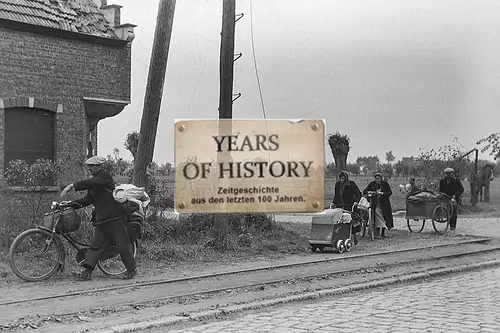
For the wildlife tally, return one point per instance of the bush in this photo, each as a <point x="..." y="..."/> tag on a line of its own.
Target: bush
<point x="193" y="236"/>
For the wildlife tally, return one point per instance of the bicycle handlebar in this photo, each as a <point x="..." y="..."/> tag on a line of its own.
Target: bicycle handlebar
<point x="372" y="193"/>
<point x="65" y="204"/>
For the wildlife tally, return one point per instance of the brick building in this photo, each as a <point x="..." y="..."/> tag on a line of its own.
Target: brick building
<point x="65" y="65"/>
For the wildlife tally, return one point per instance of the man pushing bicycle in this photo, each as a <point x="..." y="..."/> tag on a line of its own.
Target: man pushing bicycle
<point x="110" y="220"/>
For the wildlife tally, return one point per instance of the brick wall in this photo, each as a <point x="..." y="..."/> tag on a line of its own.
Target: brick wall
<point x="60" y="71"/>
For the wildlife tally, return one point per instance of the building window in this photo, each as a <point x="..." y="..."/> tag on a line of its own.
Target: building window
<point x="29" y="135"/>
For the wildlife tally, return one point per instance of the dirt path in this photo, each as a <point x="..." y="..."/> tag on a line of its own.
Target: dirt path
<point x="400" y="239"/>
<point x="14" y="288"/>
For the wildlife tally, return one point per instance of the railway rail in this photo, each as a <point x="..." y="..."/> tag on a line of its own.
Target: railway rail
<point x="243" y="271"/>
<point x="164" y="290"/>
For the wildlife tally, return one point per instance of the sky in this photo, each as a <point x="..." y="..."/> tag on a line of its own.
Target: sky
<point x="392" y="75"/>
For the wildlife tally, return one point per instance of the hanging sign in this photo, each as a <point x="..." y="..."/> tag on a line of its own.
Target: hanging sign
<point x="249" y="166"/>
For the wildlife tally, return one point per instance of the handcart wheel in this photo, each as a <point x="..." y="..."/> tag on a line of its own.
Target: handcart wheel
<point x="348" y="245"/>
<point x="440" y="219"/>
<point x="340" y="246"/>
<point x="415" y="225"/>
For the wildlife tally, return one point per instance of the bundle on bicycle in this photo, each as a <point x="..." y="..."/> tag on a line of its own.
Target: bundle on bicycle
<point x="37" y="254"/>
<point x="429" y="205"/>
<point x="332" y="228"/>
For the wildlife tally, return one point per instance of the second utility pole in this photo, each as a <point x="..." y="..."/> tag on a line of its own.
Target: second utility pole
<point x="154" y="91"/>
<point x="225" y="95"/>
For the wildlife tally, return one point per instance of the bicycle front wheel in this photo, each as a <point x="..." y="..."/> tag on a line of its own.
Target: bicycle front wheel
<point x="371" y="224"/>
<point x="35" y="255"/>
<point x="111" y="263"/>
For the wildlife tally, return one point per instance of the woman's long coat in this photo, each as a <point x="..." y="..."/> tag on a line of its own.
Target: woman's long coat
<point x="385" y="203"/>
<point x="346" y="198"/>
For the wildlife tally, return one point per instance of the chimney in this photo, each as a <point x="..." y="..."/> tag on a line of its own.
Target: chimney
<point x="101" y="3"/>
<point x="125" y="31"/>
<point x="112" y="13"/>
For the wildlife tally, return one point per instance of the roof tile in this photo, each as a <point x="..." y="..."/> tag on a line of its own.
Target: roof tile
<point x="81" y="16"/>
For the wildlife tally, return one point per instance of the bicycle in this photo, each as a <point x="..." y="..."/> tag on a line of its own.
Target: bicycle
<point x="370" y="221"/>
<point x="57" y="224"/>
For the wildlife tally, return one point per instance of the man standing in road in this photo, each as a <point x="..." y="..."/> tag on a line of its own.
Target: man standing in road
<point x="451" y="186"/>
<point x="110" y="220"/>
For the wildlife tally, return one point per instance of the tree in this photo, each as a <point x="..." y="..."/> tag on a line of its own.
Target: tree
<point x="330" y="170"/>
<point x="370" y="163"/>
<point x="400" y="169"/>
<point x="131" y="143"/>
<point x="165" y="169"/>
<point x="340" y="146"/>
<point x="433" y="162"/>
<point x="388" y="170"/>
<point x="389" y="157"/>
<point x="353" y="168"/>
<point x="492" y="143"/>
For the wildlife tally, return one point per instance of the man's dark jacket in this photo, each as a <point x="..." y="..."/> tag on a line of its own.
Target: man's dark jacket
<point x="451" y="186"/>
<point x="100" y="194"/>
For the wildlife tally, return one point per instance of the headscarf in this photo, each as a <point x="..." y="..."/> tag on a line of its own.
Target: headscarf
<point x="379" y="174"/>
<point x="345" y="183"/>
<point x="345" y="174"/>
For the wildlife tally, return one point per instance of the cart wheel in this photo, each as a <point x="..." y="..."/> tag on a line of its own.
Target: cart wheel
<point x="440" y="219"/>
<point x="321" y="248"/>
<point x="313" y="248"/>
<point x="415" y="225"/>
<point x="348" y="245"/>
<point x="340" y="246"/>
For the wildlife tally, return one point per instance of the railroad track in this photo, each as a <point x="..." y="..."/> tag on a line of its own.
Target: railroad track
<point x="210" y="284"/>
<point x="243" y="271"/>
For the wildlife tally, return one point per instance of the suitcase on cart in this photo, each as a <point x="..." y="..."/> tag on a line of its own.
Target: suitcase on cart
<point x="331" y="228"/>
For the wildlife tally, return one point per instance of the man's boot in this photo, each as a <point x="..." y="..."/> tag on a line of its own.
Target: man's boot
<point x="85" y="275"/>
<point x="129" y="275"/>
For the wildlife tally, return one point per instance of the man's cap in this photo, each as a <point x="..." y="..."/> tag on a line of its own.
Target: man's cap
<point x="95" y="160"/>
<point x="449" y="170"/>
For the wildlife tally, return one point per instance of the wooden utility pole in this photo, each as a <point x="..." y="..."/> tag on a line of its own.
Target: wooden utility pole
<point x="154" y="91"/>
<point x="226" y="95"/>
<point x="227" y="60"/>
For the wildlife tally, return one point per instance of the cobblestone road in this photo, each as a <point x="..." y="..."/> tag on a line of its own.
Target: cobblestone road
<point x="460" y="303"/>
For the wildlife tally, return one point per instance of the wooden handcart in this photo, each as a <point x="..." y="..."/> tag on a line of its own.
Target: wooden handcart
<point x="429" y="205"/>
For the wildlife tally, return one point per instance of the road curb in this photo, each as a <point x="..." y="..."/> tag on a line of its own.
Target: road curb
<point x="233" y="309"/>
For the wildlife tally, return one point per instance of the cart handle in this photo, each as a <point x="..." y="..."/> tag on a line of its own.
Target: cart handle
<point x="352" y="208"/>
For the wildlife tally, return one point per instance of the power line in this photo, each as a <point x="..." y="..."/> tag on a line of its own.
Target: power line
<point x="255" y="61"/>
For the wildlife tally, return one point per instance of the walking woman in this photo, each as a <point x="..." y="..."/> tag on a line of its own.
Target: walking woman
<point x="346" y="194"/>
<point x="382" y="207"/>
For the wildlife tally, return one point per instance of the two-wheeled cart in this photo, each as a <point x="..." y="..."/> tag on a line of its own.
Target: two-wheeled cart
<point x="429" y="205"/>
<point x="331" y="228"/>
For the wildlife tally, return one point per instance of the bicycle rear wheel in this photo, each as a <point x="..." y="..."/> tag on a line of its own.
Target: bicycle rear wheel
<point x="111" y="262"/>
<point x="36" y="255"/>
